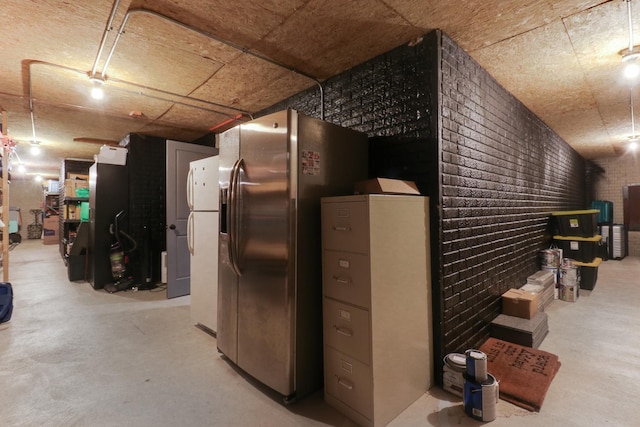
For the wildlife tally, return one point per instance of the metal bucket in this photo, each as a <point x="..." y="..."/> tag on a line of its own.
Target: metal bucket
<point x="481" y="399"/>
<point x="476" y="365"/>
<point x="569" y="275"/>
<point x="549" y="258"/>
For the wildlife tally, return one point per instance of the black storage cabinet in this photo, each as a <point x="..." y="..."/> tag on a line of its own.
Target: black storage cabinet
<point x="108" y="195"/>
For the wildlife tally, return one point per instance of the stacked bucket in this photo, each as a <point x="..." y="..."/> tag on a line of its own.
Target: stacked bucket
<point x="481" y="390"/>
<point x="466" y="375"/>
<point x="578" y="239"/>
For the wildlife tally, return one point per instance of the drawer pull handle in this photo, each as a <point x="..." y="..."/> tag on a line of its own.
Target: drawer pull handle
<point x="336" y="228"/>
<point x="345" y="384"/>
<point x="342" y="280"/>
<point x="343" y="331"/>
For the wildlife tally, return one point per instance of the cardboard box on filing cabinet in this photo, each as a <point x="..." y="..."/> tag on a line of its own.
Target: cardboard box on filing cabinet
<point x="386" y="186"/>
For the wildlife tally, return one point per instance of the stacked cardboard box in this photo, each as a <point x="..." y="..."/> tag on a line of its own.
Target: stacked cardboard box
<point x="542" y="282"/>
<point x="521" y="322"/>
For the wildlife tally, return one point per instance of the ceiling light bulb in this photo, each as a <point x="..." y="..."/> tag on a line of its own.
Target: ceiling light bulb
<point x="22" y="168"/>
<point x="633" y="145"/>
<point x="631" y="70"/>
<point x="97" y="92"/>
<point x="38" y="178"/>
<point x="35" y="150"/>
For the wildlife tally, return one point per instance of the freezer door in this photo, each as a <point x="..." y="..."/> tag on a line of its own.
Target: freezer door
<point x="202" y="186"/>
<point x="267" y="286"/>
<point x="227" y="333"/>
<point x="203" y="243"/>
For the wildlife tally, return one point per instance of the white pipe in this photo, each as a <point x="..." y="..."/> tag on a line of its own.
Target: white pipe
<point x="633" y="123"/>
<point x="107" y="28"/>
<point x="212" y="37"/>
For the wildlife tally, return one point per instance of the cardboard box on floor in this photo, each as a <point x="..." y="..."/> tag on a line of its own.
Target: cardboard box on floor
<point x="519" y="303"/>
<point x="386" y="186"/>
<point x="50" y="230"/>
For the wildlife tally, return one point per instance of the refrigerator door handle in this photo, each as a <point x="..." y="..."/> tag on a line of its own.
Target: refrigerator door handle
<point x="190" y="233"/>
<point x="233" y="214"/>
<point x="190" y="189"/>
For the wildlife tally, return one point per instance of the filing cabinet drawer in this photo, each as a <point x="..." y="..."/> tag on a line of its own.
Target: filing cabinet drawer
<point x="345" y="226"/>
<point x="346" y="328"/>
<point x="346" y="277"/>
<point x="349" y="381"/>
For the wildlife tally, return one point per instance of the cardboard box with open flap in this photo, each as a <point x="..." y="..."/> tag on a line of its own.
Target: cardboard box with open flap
<point x="386" y="186"/>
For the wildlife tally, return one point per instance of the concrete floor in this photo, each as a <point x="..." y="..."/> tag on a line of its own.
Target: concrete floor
<point x="73" y="356"/>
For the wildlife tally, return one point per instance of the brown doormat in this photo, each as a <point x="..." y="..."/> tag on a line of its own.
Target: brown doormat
<point x="524" y="374"/>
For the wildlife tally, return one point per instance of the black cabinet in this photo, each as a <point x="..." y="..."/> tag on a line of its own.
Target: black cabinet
<point x="146" y="160"/>
<point x="108" y="195"/>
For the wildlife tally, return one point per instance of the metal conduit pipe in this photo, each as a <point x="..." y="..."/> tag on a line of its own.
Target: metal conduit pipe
<point x="630" y="26"/>
<point x="212" y="37"/>
<point x="107" y="28"/>
<point x="83" y="73"/>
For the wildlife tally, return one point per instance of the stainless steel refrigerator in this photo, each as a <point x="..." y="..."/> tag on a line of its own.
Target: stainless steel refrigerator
<point x="273" y="172"/>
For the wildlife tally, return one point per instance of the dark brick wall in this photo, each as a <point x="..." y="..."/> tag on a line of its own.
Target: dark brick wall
<point x="493" y="172"/>
<point x="503" y="172"/>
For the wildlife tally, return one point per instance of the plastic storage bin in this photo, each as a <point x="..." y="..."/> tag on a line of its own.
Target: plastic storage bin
<point x="577" y="223"/>
<point x="582" y="249"/>
<point x="605" y="211"/>
<point x="588" y="273"/>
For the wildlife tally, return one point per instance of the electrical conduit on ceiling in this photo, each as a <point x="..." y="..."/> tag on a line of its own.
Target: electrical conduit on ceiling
<point x="84" y="74"/>
<point x="198" y="31"/>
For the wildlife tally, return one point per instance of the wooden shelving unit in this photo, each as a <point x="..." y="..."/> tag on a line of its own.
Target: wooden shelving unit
<point x="5" y="203"/>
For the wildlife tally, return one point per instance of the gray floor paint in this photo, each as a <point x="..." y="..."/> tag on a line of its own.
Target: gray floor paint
<point x="73" y="356"/>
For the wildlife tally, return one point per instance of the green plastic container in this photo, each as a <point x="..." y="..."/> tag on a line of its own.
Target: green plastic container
<point x="82" y="192"/>
<point x="84" y="211"/>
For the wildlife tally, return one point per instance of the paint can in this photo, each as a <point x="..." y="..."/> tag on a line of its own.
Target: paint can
<point x="476" y="365"/>
<point x="480" y="400"/>
<point x="569" y="274"/>
<point x="453" y="370"/>
<point x="549" y="258"/>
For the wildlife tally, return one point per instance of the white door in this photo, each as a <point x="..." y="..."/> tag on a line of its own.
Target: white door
<point x="179" y="155"/>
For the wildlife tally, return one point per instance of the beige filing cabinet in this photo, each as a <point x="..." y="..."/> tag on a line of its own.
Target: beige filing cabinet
<point x="376" y="304"/>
